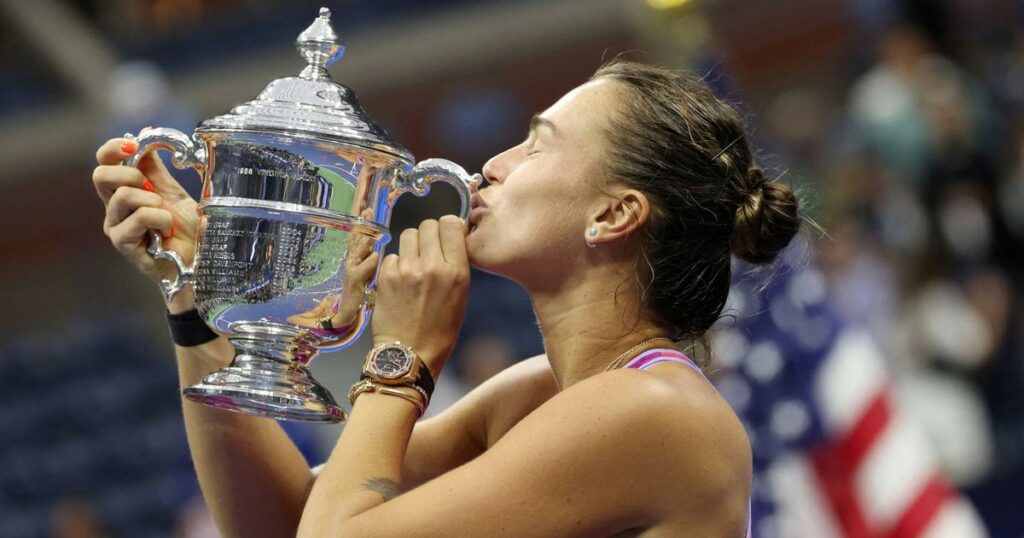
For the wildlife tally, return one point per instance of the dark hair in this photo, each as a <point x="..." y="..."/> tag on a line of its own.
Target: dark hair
<point x="686" y="149"/>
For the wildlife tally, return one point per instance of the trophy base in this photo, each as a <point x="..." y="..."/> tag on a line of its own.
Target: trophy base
<point x="267" y="388"/>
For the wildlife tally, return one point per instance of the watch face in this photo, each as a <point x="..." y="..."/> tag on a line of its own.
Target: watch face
<point x="392" y="362"/>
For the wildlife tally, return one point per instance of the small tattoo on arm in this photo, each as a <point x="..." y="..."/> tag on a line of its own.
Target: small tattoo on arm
<point x="386" y="487"/>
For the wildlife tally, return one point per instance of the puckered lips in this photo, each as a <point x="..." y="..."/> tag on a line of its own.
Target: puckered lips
<point x="477" y="209"/>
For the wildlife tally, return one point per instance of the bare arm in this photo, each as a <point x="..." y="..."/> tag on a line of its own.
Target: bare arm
<point x="253" y="478"/>
<point x="256" y="482"/>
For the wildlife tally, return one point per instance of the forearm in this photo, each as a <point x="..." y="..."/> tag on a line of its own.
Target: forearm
<point x="253" y="478"/>
<point x="420" y="302"/>
<point x="365" y="468"/>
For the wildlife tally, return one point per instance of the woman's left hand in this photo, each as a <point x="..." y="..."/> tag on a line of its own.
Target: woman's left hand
<point x="421" y="292"/>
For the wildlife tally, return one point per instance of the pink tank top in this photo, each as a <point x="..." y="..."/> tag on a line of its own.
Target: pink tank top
<point x="651" y="357"/>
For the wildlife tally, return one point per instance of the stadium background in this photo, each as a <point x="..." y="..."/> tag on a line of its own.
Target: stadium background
<point x="901" y="119"/>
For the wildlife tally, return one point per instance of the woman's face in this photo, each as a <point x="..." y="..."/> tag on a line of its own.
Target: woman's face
<point x="530" y="223"/>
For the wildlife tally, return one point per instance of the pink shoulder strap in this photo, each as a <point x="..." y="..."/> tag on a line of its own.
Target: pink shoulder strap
<point x="651" y="357"/>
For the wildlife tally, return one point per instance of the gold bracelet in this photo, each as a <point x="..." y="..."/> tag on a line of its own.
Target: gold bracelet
<point x="367" y="385"/>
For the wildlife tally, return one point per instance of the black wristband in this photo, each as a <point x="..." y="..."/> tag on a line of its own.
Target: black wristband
<point x="188" y="329"/>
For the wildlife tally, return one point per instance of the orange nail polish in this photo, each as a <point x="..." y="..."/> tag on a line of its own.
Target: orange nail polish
<point x="128" y="147"/>
<point x="148" y="185"/>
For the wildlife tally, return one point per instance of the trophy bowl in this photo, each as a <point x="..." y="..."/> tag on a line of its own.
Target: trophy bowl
<point x="298" y="187"/>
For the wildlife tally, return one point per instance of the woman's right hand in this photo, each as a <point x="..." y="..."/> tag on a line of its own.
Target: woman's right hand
<point x="141" y="199"/>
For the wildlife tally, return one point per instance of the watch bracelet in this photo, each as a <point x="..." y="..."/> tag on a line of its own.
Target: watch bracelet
<point x="368" y="385"/>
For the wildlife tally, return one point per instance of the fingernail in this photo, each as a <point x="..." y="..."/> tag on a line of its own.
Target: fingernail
<point x="129" y="147"/>
<point x="148" y="185"/>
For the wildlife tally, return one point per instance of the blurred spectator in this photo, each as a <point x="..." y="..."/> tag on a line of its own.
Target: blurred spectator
<point x="885" y="108"/>
<point x="76" y="518"/>
<point x="946" y="339"/>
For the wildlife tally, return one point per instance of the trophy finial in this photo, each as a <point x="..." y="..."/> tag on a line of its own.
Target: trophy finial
<point x="320" y="46"/>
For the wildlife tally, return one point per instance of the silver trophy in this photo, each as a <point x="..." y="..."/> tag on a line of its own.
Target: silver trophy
<point x="298" y="187"/>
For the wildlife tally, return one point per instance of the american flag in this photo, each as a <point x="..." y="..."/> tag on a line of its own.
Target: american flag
<point x="833" y="454"/>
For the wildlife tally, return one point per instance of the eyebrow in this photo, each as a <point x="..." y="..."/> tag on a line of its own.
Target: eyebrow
<point x="538" y="121"/>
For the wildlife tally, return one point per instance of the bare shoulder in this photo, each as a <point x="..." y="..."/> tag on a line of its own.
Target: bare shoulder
<point x="690" y="413"/>
<point x="677" y="398"/>
<point x="614" y="453"/>
<point x="622" y="451"/>
<point x="667" y="428"/>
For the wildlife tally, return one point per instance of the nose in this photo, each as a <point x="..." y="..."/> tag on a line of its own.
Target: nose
<point x="497" y="168"/>
<point x="488" y="172"/>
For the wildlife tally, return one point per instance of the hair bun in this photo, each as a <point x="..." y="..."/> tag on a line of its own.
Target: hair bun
<point x="766" y="219"/>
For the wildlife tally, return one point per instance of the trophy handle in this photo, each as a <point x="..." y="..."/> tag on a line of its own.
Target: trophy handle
<point x="187" y="154"/>
<point x="419" y="179"/>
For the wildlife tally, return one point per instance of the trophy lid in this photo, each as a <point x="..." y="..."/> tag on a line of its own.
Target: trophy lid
<point x="312" y="103"/>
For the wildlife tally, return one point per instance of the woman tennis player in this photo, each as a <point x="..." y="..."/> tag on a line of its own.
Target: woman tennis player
<point x="618" y="214"/>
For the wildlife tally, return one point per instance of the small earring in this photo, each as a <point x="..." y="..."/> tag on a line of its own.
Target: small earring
<point x="593" y="233"/>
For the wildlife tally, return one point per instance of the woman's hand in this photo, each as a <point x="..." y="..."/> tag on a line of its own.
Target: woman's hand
<point x="421" y="292"/>
<point x="141" y="199"/>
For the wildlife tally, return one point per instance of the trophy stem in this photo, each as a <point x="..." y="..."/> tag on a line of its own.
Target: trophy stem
<point x="263" y="381"/>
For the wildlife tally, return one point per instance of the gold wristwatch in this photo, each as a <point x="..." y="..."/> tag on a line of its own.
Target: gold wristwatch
<point x="393" y="365"/>
<point x="397" y="364"/>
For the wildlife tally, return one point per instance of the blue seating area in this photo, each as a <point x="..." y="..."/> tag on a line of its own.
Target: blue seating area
<point x="92" y="414"/>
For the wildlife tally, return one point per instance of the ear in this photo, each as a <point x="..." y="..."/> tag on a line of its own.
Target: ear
<point x="624" y="213"/>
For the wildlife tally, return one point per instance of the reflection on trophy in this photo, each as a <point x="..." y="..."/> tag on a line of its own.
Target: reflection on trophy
<point x="298" y="187"/>
<point x="342" y="312"/>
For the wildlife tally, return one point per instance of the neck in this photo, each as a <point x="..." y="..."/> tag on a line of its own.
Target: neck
<point x="586" y="328"/>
